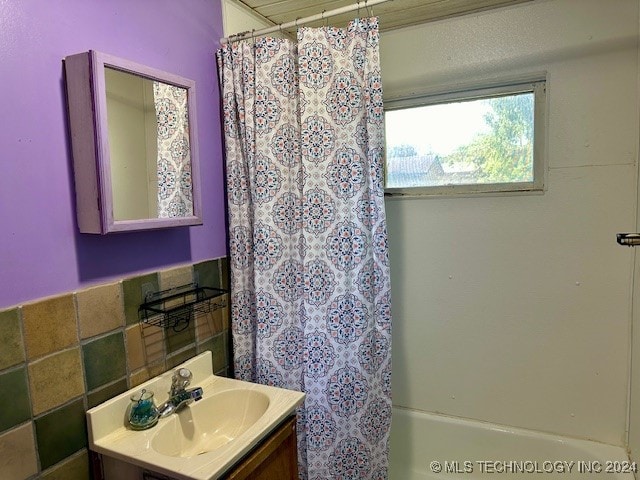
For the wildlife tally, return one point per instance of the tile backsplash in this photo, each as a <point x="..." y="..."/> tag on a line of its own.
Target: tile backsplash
<point x="63" y="355"/>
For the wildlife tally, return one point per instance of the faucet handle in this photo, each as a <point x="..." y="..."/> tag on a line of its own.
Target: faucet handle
<point x="181" y="378"/>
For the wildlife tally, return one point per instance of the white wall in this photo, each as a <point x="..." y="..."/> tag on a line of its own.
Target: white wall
<point x="634" y="399"/>
<point x="236" y="18"/>
<point x="516" y="309"/>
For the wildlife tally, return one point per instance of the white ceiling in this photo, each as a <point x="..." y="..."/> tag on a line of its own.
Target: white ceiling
<point x="392" y="14"/>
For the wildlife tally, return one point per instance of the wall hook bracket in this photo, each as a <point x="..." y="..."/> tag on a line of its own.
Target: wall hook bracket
<point x="628" y="239"/>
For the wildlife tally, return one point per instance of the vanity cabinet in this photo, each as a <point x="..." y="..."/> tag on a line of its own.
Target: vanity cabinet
<point x="238" y="430"/>
<point x="274" y="458"/>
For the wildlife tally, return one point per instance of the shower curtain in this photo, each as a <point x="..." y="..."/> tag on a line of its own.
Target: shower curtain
<point x="310" y="293"/>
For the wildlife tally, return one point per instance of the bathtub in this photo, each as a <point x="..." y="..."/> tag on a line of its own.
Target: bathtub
<point x="435" y="447"/>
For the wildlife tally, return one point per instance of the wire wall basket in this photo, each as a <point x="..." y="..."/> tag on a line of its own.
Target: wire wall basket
<point x="176" y="307"/>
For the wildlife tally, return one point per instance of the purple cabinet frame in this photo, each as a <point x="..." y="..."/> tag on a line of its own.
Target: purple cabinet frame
<point x="87" y="106"/>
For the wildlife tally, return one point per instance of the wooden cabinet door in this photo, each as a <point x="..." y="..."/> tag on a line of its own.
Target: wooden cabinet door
<point x="276" y="458"/>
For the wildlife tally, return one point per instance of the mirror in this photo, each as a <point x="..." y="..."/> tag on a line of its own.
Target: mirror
<point x="133" y="135"/>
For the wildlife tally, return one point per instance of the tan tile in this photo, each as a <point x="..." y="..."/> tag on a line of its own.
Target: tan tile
<point x="74" y="468"/>
<point x="157" y="369"/>
<point x="55" y="380"/>
<point x="152" y="342"/>
<point x="209" y="324"/>
<point x="145" y="352"/>
<point x="18" y="454"/>
<point x="139" y="377"/>
<point x="216" y="320"/>
<point x="226" y="313"/>
<point x="144" y="374"/>
<point x="49" y="325"/>
<point x="100" y="309"/>
<point x="12" y="351"/>
<point x="176" y="277"/>
<point x="135" y="348"/>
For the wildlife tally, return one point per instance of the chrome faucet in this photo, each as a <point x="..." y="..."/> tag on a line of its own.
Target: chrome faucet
<point x="179" y="395"/>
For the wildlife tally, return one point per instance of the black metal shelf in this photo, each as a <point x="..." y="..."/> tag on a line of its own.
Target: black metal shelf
<point x="176" y="307"/>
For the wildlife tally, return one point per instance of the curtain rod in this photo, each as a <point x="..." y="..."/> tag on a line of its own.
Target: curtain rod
<point x="300" y="21"/>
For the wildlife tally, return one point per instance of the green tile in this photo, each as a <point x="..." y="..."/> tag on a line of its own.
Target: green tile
<point x="105" y="393"/>
<point x="12" y="351"/>
<point x="219" y="352"/>
<point x="175" y="341"/>
<point x="181" y="357"/>
<point x="224" y="272"/>
<point x="61" y="433"/>
<point x="76" y="468"/>
<point x="104" y="360"/>
<point x="207" y="273"/>
<point x="133" y="294"/>
<point x="228" y="342"/>
<point x="206" y="345"/>
<point x="14" y="398"/>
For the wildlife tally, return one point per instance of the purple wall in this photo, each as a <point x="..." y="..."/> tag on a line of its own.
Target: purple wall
<point x="41" y="251"/>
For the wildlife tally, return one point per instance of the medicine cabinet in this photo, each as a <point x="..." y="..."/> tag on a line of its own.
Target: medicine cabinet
<point x="134" y="142"/>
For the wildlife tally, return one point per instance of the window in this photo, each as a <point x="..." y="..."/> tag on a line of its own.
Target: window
<point x="489" y="140"/>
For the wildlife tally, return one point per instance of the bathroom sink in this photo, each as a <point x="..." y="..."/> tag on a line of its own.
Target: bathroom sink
<point x="210" y="423"/>
<point x="202" y="440"/>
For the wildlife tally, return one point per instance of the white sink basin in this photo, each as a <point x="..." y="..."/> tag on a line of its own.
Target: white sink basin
<point x="202" y="440"/>
<point x="210" y="423"/>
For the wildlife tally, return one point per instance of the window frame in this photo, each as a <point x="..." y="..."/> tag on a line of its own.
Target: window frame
<point x="537" y="86"/>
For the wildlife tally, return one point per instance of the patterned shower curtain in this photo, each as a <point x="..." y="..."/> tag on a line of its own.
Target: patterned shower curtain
<point x="310" y="289"/>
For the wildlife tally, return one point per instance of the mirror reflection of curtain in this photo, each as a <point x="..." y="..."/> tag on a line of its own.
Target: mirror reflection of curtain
<point x="174" y="154"/>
